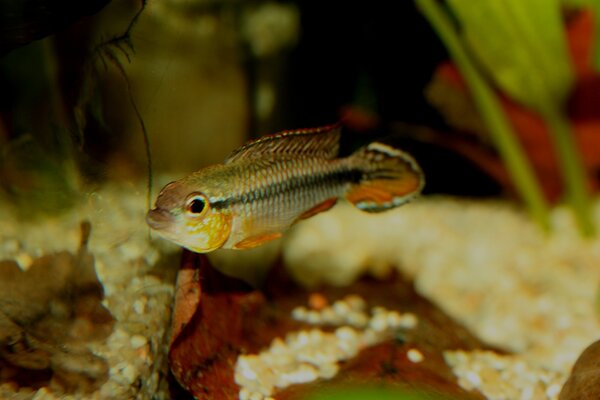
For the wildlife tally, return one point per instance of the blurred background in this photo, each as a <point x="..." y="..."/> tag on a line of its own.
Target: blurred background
<point x="90" y="92"/>
<point x="496" y="99"/>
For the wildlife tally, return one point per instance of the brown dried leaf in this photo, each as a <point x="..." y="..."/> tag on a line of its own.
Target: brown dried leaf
<point x="217" y="318"/>
<point x="47" y="314"/>
<point x="211" y="321"/>
<point x="584" y="381"/>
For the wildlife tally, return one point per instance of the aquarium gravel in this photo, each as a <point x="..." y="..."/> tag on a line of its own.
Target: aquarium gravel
<point x="484" y="263"/>
<point x="487" y="266"/>
<point x="136" y="295"/>
<point x="307" y="355"/>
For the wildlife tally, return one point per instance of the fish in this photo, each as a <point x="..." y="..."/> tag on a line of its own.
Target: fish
<point x="271" y="183"/>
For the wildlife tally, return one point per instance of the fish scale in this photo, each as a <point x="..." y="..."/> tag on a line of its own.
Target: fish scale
<point x="302" y="183"/>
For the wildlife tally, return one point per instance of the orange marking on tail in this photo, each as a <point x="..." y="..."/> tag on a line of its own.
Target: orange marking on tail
<point x="319" y="208"/>
<point x="381" y="191"/>
<point x="254" y="241"/>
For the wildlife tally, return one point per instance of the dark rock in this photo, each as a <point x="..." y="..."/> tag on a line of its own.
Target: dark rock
<point x="584" y="381"/>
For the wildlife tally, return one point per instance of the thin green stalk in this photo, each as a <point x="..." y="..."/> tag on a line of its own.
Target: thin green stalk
<point x="573" y="172"/>
<point x="596" y="51"/>
<point x="492" y="114"/>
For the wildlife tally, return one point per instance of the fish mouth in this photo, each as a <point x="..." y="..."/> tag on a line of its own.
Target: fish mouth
<point x="159" y="219"/>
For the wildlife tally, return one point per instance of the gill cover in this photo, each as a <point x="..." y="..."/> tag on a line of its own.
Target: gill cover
<point x="204" y="229"/>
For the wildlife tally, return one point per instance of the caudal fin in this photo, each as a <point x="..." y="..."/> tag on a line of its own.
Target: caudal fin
<point x="390" y="178"/>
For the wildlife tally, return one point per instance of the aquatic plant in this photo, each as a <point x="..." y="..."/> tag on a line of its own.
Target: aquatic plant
<point x="50" y="312"/>
<point x="37" y="154"/>
<point x="54" y="113"/>
<point x="596" y="52"/>
<point x="377" y="392"/>
<point x="518" y="48"/>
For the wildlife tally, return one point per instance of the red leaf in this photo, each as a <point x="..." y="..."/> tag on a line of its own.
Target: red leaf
<point x="582" y="109"/>
<point x="217" y="318"/>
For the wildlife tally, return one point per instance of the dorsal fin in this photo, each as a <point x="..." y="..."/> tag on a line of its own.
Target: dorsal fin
<point x="321" y="142"/>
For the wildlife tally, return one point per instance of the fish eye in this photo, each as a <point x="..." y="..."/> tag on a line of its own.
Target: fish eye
<point x="195" y="204"/>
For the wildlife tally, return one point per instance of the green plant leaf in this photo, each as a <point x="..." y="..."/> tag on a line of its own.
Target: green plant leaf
<point x="575" y="4"/>
<point x="491" y="112"/>
<point x="596" y="51"/>
<point x="376" y="393"/>
<point x="520" y="45"/>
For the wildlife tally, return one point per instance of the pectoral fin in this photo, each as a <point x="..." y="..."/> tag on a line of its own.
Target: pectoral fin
<point x="254" y="241"/>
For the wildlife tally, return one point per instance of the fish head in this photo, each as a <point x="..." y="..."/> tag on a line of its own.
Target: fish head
<point x="185" y="216"/>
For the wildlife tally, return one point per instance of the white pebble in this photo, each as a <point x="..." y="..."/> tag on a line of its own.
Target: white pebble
<point x="357" y="319"/>
<point x="138" y="341"/>
<point x="43" y="393"/>
<point x="341" y="308"/>
<point x="131" y="250"/>
<point x="370" y="337"/>
<point x="379" y="322"/>
<point x="348" y="348"/>
<point x="299" y="313"/>
<point x="315" y="336"/>
<point x="245" y="368"/>
<point x="278" y="346"/>
<point x="298" y="340"/>
<point x="379" y="310"/>
<point x="119" y="337"/>
<point x="527" y="393"/>
<point x="24" y="260"/>
<point x="355" y="302"/>
<point x="129" y="373"/>
<point x="316" y="357"/>
<point x="345" y="333"/>
<point x="139" y="306"/>
<point x="313" y="317"/>
<point x="256" y="396"/>
<point x="408" y="321"/>
<point x="473" y="378"/>
<point x="277" y="360"/>
<point x="244" y="394"/>
<point x="151" y="255"/>
<point x="553" y="390"/>
<point x="328" y="370"/>
<point x="415" y="355"/>
<point x="303" y="374"/>
<point x="328" y="316"/>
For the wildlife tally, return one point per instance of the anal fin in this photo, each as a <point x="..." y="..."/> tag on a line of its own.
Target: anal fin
<point x="319" y="208"/>
<point x="254" y="241"/>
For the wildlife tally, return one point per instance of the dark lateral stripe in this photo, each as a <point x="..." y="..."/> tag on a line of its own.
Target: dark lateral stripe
<point x="292" y="184"/>
<point x="220" y="204"/>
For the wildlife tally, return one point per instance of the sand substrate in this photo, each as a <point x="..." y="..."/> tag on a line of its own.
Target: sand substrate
<point x="488" y="267"/>
<point x="484" y="263"/>
<point x="136" y="293"/>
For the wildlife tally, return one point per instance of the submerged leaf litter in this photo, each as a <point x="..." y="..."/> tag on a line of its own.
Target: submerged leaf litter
<point x="484" y="264"/>
<point x="487" y="266"/>
<point x="135" y="293"/>
<point x="307" y="355"/>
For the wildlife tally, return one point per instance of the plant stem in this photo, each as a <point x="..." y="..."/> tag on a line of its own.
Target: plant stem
<point x="573" y="172"/>
<point x="596" y="35"/>
<point x="501" y="132"/>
